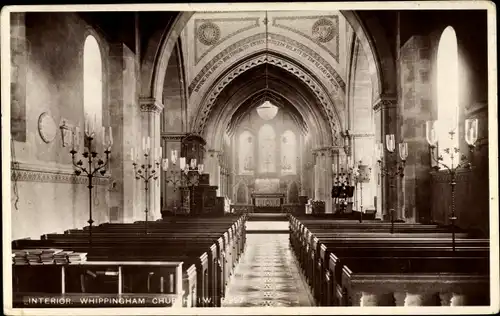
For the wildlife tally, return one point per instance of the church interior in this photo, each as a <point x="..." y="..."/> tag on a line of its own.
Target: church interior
<point x="249" y="158"/>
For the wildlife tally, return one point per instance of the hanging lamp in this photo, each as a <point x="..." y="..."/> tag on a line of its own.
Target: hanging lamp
<point x="267" y="111"/>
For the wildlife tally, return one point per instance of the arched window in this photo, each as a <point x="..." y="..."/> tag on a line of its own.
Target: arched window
<point x="288" y="152"/>
<point x="267" y="149"/>
<point x="447" y="91"/>
<point x="246" y="153"/>
<point x="92" y="81"/>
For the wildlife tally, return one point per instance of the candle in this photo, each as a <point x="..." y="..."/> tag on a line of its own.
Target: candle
<point x="110" y="137"/>
<point x="165" y="164"/>
<point x="86" y="125"/>
<point x="144" y="144"/>
<point x="132" y="154"/>
<point x="148" y="143"/>
<point x="173" y="156"/>
<point x="182" y="162"/>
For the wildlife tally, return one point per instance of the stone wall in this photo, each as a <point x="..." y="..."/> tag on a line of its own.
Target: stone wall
<point x="46" y="196"/>
<point x="426" y="195"/>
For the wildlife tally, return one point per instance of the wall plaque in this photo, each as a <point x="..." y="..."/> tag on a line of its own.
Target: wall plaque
<point x="47" y="127"/>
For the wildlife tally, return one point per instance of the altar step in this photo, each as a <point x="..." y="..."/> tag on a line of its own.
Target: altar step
<point x="267" y="224"/>
<point x="277" y="217"/>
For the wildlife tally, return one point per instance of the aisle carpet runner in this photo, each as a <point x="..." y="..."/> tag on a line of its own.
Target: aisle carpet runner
<point x="267" y="275"/>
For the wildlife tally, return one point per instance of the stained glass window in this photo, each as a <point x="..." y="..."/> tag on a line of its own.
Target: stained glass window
<point x="288" y="152"/>
<point x="267" y="149"/>
<point x="246" y="153"/>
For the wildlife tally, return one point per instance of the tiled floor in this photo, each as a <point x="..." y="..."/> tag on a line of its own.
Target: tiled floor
<point x="267" y="275"/>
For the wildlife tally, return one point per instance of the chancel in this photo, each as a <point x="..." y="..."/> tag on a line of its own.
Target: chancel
<point x="279" y="158"/>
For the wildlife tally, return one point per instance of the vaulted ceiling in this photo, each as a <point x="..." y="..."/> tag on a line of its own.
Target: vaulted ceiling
<point x="314" y="47"/>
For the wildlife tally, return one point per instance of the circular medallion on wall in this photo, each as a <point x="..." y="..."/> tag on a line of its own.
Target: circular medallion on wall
<point x="323" y="30"/>
<point x="208" y="33"/>
<point x="47" y="127"/>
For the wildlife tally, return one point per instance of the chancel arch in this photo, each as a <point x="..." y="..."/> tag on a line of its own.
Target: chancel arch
<point x="333" y="111"/>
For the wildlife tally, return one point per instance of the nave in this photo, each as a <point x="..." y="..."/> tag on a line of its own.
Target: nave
<point x="268" y="273"/>
<point x="233" y="262"/>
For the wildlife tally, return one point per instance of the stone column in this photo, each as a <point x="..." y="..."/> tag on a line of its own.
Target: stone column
<point x="328" y="180"/>
<point x="317" y="171"/>
<point x="151" y="109"/>
<point x="385" y="109"/>
<point x="211" y="165"/>
<point x="124" y="119"/>
<point x="415" y="108"/>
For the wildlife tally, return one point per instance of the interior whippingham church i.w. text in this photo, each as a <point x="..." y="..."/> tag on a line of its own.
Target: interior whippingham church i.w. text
<point x="259" y="157"/>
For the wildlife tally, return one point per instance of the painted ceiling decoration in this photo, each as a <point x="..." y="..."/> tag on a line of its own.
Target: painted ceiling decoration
<point x="323" y="30"/>
<point x="220" y="46"/>
<point x="210" y="33"/>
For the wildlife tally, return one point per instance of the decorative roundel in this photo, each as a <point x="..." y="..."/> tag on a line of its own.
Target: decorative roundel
<point x="323" y="30"/>
<point x="208" y="33"/>
<point x="47" y="127"/>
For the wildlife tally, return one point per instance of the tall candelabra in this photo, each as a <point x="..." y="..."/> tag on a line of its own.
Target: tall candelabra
<point x="392" y="168"/>
<point x="342" y="189"/>
<point x="175" y="177"/>
<point x="148" y="170"/>
<point x="361" y="175"/>
<point x="94" y="164"/>
<point x="471" y="132"/>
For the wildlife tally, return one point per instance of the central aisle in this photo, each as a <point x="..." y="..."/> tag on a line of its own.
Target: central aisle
<point x="267" y="275"/>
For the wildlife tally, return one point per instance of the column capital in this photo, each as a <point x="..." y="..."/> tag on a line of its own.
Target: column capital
<point x="385" y="101"/>
<point x="322" y="151"/>
<point x="149" y="104"/>
<point x="213" y="153"/>
<point x="173" y="137"/>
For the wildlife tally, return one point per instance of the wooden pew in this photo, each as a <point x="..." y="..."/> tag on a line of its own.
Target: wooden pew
<point x="376" y="282"/>
<point x="129" y="234"/>
<point x="113" y="284"/>
<point x="152" y="245"/>
<point x="232" y="248"/>
<point x="321" y="276"/>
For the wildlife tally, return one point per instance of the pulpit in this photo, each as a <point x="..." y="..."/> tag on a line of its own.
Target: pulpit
<point x="200" y="198"/>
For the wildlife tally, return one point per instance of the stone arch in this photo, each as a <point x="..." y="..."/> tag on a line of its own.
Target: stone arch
<point x="377" y="49"/>
<point x="317" y="122"/>
<point x="334" y="114"/>
<point x="160" y="46"/>
<point x="158" y="51"/>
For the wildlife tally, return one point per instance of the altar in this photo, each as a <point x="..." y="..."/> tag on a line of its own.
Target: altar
<point x="267" y="202"/>
<point x="267" y="197"/>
